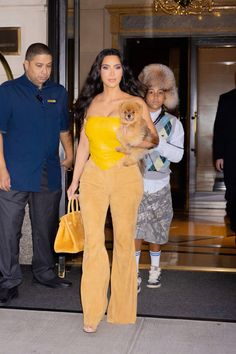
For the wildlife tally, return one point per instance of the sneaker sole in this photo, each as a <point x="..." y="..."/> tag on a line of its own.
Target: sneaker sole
<point x="152" y="286"/>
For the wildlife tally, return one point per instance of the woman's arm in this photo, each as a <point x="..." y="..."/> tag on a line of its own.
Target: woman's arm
<point x="82" y="155"/>
<point x="146" y="116"/>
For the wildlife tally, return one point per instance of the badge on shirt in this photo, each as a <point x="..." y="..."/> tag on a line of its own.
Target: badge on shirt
<point x="51" y="101"/>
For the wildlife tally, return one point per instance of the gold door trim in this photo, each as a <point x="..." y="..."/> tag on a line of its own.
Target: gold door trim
<point x="6" y="67"/>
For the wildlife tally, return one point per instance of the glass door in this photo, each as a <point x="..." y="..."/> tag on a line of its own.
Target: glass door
<point x="213" y="73"/>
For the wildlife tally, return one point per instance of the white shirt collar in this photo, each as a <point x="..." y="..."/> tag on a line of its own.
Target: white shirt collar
<point x="154" y="115"/>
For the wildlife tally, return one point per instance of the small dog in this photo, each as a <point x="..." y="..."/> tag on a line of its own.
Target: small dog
<point x="132" y="131"/>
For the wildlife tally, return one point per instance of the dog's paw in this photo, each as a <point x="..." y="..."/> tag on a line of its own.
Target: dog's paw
<point x="121" y="149"/>
<point x="129" y="161"/>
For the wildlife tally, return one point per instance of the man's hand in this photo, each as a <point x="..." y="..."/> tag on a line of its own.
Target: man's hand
<point x="219" y="165"/>
<point x="5" y="181"/>
<point x="67" y="163"/>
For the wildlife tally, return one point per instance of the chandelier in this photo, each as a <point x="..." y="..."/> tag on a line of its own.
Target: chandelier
<point x="185" y="7"/>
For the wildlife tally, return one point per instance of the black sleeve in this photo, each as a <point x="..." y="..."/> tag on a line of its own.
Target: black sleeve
<point x="218" y="131"/>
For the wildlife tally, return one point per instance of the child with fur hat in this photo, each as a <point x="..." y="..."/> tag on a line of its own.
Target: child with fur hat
<point x="155" y="211"/>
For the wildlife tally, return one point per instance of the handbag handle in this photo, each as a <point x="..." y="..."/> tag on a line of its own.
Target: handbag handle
<point x="73" y="205"/>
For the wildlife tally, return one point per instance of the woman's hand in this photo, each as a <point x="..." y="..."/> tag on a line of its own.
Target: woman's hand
<point x="71" y="191"/>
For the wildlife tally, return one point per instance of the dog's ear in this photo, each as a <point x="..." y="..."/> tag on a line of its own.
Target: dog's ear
<point x="139" y="107"/>
<point x="121" y="107"/>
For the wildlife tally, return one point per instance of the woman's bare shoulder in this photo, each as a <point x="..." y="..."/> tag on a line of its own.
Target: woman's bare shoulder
<point x="139" y="100"/>
<point x="136" y="98"/>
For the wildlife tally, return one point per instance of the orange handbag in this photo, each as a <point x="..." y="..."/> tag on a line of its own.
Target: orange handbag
<point x="70" y="234"/>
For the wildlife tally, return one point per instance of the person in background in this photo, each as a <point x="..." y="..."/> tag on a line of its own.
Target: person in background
<point x="33" y="120"/>
<point x="155" y="211"/>
<point x="224" y="151"/>
<point x="105" y="182"/>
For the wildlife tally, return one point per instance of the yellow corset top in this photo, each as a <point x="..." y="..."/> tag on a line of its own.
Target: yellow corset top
<point x="101" y="133"/>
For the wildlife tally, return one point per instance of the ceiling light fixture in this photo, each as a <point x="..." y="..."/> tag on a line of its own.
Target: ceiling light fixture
<point x="185" y="7"/>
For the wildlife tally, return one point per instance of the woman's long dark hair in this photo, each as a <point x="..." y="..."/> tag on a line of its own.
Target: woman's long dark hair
<point x="94" y="85"/>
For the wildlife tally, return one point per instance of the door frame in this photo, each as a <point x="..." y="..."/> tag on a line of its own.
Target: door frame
<point x="196" y="43"/>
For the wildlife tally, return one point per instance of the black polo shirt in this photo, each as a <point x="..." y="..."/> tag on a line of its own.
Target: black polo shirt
<point x="31" y="121"/>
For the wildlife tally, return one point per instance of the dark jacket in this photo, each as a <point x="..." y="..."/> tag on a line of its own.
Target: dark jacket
<point x="224" y="137"/>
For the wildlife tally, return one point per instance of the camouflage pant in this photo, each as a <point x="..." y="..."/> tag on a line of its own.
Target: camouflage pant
<point x="155" y="216"/>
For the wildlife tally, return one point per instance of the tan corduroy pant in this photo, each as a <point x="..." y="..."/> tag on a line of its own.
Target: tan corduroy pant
<point x="122" y="189"/>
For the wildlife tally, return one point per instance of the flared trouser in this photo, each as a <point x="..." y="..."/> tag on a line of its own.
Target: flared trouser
<point x="122" y="189"/>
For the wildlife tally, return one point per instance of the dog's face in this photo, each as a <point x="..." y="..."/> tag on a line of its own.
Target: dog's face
<point x="130" y="112"/>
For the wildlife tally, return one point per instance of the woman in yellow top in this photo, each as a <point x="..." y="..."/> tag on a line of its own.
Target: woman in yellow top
<point x="105" y="182"/>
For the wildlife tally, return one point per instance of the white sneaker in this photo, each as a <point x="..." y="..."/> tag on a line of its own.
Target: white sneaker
<point x="139" y="281"/>
<point x="154" y="280"/>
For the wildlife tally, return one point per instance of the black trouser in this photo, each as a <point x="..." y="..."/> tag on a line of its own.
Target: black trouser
<point x="230" y="194"/>
<point x="230" y="197"/>
<point x="44" y="215"/>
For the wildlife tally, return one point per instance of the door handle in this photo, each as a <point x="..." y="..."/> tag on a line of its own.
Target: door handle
<point x="195" y="115"/>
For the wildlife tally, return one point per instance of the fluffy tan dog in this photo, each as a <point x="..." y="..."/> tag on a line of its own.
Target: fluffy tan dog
<point x="133" y="130"/>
